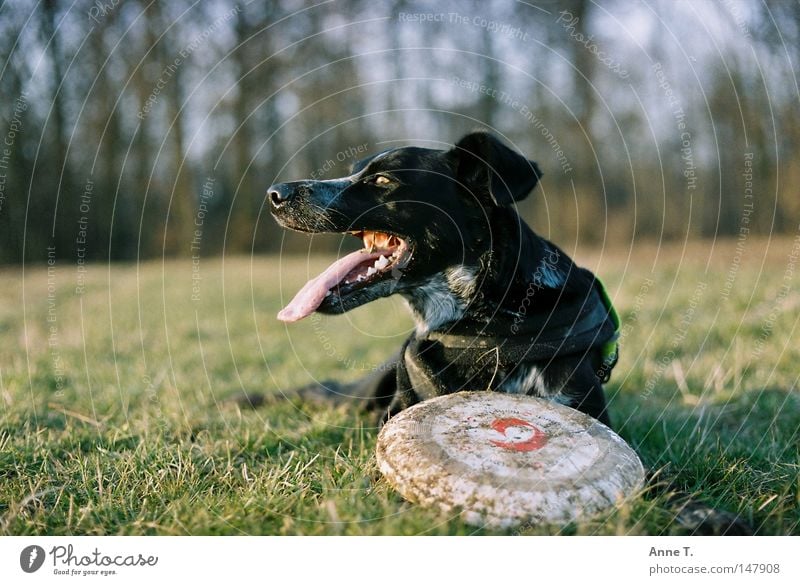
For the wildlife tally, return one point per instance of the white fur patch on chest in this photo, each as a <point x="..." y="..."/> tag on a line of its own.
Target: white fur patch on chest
<point x="443" y="298"/>
<point x="434" y="304"/>
<point x="548" y="274"/>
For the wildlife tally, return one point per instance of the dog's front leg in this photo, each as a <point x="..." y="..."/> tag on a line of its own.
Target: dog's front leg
<point x="372" y="393"/>
<point x="573" y="380"/>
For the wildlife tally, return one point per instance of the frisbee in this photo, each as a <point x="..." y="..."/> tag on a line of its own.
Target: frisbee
<point x="502" y="460"/>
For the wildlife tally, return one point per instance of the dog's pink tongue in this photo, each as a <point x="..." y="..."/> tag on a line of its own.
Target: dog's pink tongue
<point x="312" y="294"/>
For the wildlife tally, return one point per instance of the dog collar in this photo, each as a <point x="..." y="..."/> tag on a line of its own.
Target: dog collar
<point x="574" y="328"/>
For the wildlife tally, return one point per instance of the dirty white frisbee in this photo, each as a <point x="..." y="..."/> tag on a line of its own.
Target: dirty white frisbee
<point x="502" y="460"/>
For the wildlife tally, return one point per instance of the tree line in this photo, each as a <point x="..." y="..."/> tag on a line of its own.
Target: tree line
<point x="135" y="129"/>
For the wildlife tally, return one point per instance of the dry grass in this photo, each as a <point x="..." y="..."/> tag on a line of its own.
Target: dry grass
<point x="115" y="421"/>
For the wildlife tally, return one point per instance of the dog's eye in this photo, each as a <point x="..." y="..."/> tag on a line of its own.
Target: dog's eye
<point x="381" y="180"/>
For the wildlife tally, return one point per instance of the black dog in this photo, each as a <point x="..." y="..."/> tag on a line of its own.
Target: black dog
<point x="497" y="307"/>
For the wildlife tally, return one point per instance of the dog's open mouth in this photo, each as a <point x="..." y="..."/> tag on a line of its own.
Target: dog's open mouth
<point x="381" y="258"/>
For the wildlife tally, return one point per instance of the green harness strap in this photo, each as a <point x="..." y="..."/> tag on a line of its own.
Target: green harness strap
<point x="610" y="348"/>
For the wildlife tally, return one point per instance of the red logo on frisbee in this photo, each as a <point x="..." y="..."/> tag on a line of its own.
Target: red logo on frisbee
<point x="522" y="435"/>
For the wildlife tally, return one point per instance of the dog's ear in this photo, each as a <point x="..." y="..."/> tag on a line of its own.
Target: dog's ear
<point x="488" y="167"/>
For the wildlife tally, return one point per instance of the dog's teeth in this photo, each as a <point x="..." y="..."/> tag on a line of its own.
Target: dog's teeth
<point x="329" y="293"/>
<point x="381" y="263"/>
<point x="371" y="270"/>
<point x="360" y="278"/>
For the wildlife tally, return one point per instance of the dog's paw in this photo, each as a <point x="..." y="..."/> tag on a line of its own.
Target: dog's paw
<point x="700" y="520"/>
<point x="245" y="400"/>
<point x="327" y="393"/>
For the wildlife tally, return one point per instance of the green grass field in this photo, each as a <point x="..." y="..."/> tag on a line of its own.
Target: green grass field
<point x="115" y="415"/>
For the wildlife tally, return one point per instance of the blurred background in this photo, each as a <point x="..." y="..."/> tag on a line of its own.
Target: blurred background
<point x="133" y="129"/>
<point x="140" y="272"/>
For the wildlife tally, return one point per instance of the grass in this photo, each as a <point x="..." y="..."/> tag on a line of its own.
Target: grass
<point x="114" y="416"/>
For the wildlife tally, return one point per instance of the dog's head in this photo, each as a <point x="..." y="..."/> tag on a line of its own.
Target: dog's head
<point x="418" y="212"/>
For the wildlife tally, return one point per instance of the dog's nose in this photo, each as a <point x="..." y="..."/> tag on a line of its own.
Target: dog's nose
<point x="279" y="194"/>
